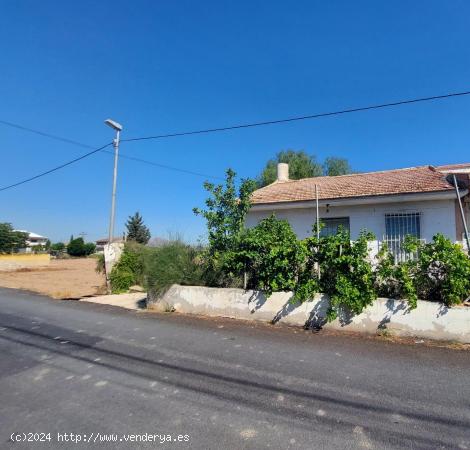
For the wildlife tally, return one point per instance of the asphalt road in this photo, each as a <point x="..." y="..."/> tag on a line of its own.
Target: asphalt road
<point x="92" y="370"/>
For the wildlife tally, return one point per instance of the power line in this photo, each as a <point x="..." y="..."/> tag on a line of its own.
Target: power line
<point x="44" y="134"/>
<point x="35" y="177"/>
<point x="121" y="155"/>
<point x="298" y="118"/>
<point x="163" y="166"/>
<point x="209" y="130"/>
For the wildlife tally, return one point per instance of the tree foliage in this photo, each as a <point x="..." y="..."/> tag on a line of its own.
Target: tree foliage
<point x="302" y="165"/>
<point x="346" y="273"/>
<point x="225" y="214"/>
<point x="58" y="246"/>
<point x="137" y="231"/>
<point x="78" y="247"/>
<point x="11" y="240"/>
<point x="440" y="272"/>
<point x="270" y="255"/>
<point x="334" y="166"/>
<point x="128" y="270"/>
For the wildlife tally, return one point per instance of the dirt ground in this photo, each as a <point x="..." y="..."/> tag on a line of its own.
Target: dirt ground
<point x="62" y="278"/>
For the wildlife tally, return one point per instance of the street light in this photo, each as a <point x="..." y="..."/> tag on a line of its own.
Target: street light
<point x="118" y="127"/>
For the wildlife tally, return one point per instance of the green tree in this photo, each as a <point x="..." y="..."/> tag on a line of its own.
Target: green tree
<point x="225" y="214"/>
<point x="10" y="240"/>
<point x="90" y="248"/>
<point x="77" y="247"/>
<point x="301" y="165"/>
<point x="226" y="211"/>
<point x="334" y="166"/>
<point x="58" y="247"/>
<point x="136" y="229"/>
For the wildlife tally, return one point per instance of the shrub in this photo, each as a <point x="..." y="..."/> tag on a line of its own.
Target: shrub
<point x="270" y="255"/>
<point x="346" y="274"/>
<point x="100" y="264"/>
<point x="174" y="262"/>
<point x="396" y="280"/>
<point x="58" y="247"/>
<point x="128" y="270"/>
<point x="90" y="248"/>
<point x="121" y="280"/>
<point x="441" y="272"/>
<point x="76" y="247"/>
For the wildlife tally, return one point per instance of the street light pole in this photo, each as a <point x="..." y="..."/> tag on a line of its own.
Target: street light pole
<point x="116" y="126"/>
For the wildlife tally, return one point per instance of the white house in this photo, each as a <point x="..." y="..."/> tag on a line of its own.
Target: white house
<point x="419" y="201"/>
<point x="33" y="240"/>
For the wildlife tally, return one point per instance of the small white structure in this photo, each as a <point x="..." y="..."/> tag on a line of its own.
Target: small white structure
<point x="33" y="240"/>
<point x="418" y="201"/>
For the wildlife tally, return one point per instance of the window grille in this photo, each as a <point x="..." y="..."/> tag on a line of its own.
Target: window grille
<point x="331" y="226"/>
<point x="397" y="227"/>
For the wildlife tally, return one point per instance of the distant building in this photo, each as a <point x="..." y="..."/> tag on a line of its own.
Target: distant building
<point x="33" y="240"/>
<point x="100" y="243"/>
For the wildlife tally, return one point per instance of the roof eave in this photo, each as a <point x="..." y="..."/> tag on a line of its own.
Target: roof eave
<point x="445" y="194"/>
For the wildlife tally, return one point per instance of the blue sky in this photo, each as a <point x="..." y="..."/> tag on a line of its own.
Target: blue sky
<point x="160" y="67"/>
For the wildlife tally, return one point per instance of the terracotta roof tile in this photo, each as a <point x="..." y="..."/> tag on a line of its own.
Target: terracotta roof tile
<point x="454" y="166"/>
<point x="399" y="181"/>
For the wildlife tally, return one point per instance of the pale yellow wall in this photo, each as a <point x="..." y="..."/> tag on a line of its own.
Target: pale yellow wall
<point x="20" y="260"/>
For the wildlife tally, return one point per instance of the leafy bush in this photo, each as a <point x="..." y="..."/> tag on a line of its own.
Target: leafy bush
<point x="270" y="255"/>
<point x="77" y="247"/>
<point x="396" y="280"/>
<point x="128" y="270"/>
<point x="90" y="248"/>
<point x="121" y="280"/>
<point x="174" y="262"/>
<point x="345" y="272"/>
<point x="441" y="272"/>
<point x="100" y="264"/>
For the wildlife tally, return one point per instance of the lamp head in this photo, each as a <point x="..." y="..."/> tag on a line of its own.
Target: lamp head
<point x="111" y="123"/>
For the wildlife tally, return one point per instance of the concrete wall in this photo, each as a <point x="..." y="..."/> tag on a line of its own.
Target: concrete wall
<point x="112" y="254"/>
<point x="24" y="260"/>
<point x="437" y="216"/>
<point x="429" y="320"/>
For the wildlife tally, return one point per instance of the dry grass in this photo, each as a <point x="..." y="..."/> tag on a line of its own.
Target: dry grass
<point x="63" y="278"/>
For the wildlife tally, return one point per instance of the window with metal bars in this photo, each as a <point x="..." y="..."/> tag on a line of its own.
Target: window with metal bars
<point x="331" y="226"/>
<point x="397" y="227"/>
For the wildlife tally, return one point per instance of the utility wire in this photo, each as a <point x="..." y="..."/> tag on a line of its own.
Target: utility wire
<point x="121" y="155"/>
<point x="163" y="166"/>
<point x="42" y="133"/>
<point x="294" y="119"/>
<point x="211" y="130"/>
<point x="47" y="172"/>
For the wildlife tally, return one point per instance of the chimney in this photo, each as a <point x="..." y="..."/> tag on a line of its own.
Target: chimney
<point x="282" y="172"/>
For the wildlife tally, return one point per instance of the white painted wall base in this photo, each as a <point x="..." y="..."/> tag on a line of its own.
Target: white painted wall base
<point x="429" y="320"/>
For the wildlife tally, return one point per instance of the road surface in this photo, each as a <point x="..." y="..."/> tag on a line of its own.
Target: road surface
<point x="83" y="372"/>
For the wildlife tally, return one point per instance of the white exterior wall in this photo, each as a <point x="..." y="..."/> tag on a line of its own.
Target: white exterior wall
<point x="437" y="216"/>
